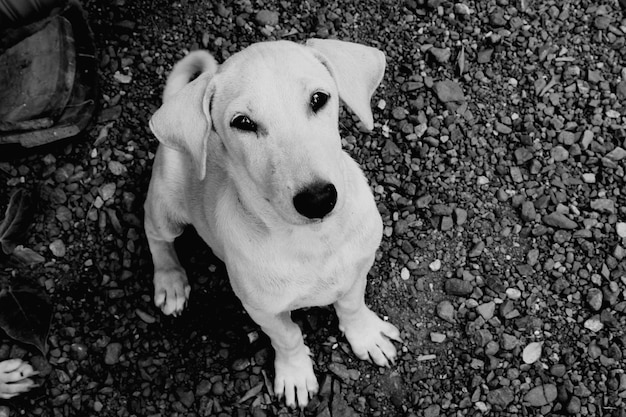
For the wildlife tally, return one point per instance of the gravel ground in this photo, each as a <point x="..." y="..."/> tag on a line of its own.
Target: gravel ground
<point x="498" y="164"/>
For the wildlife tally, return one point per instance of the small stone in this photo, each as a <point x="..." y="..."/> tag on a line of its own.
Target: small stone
<point x="107" y="191"/>
<point x="477" y="250"/>
<point x="573" y="406"/>
<point x="567" y="138"/>
<point x="523" y="155"/>
<point x="595" y="298"/>
<point x="559" y="153"/>
<point x="435" y="265"/>
<point x="558" y="370"/>
<point x="620" y="90"/>
<point x="617" y="154"/>
<point x="508" y="342"/>
<point x="462" y="9"/>
<point x="203" y="388"/>
<point x="602" y="22"/>
<point x="449" y="91"/>
<point x="532" y="352"/>
<point x="57" y="247"/>
<point x="603" y="205"/>
<point x="460" y="215"/>
<point x="433" y="410"/>
<point x="497" y="18"/>
<point x="528" y="211"/>
<point x="594" y="324"/>
<point x="117" y="168"/>
<point x="500" y="397"/>
<point x="78" y="351"/>
<point x="486" y="310"/>
<point x="441" y="55"/>
<point x="455" y="286"/>
<point x="541" y="395"/>
<point x="589" y="178"/>
<point x="502" y="128"/>
<point x="266" y="18"/>
<point x="113" y="353"/>
<point x="405" y="274"/>
<point x="445" y="311"/>
<point x="399" y="113"/>
<point x="559" y="220"/>
<point x="340" y="370"/>
<point x="186" y="397"/>
<point x="484" y="55"/>
<point x="620" y="229"/>
<point x="513" y="293"/>
<point x="436" y="337"/>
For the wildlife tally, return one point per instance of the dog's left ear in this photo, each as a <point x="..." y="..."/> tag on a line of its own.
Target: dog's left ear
<point x="357" y="70"/>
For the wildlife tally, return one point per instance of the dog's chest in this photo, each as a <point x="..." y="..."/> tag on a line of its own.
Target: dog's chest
<point x="305" y="269"/>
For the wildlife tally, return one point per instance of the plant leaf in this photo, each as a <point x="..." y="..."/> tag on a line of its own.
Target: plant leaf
<point x="27" y="256"/>
<point x="16" y="221"/>
<point x="460" y="60"/>
<point x="25" y="315"/>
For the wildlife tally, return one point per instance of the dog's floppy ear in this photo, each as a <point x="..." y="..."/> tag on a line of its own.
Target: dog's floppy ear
<point x="183" y="122"/>
<point x="357" y="70"/>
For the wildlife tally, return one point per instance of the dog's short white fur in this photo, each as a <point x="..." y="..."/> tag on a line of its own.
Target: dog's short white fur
<point x="251" y="156"/>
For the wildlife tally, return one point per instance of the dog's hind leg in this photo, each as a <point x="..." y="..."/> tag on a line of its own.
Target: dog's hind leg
<point x="369" y="336"/>
<point x="162" y="226"/>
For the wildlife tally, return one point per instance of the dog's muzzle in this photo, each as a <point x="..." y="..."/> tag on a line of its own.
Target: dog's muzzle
<point x="316" y="200"/>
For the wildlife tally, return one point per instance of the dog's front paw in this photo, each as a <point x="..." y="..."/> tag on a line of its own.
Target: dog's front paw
<point x="370" y="338"/>
<point x="171" y="290"/>
<point x="295" y="379"/>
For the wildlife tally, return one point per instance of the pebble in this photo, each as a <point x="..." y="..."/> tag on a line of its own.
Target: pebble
<point x="541" y="395"/>
<point x="405" y="274"/>
<point x="436" y="337"/>
<point x="441" y="55"/>
<point x="603" y="205"/>
<point x="462" y="9"/>
<point x="435" y="265"/>
<point x="445" y="311"/>
<point x="559" y="153"/>
<point x="513" y="293"/>
<point x="500" y="397"/>
<point x="203" y="388"/>
<point x="617" y="154"/>
<point x="455" y="286"/>
<point x="57" y="247"/>
<point x="528" y="211"/>
<point x="557" y="219"/>
<point x="594" y="298"/>
<point x="266" y="18"/>
<point x="573" y="406"/>
<point x="620" y="229"/>
<point x="532" y="352"/>
<point x="508" y="341"/>
<point x="594" y="324"/>
<point x="113" y="353"/>
<point x="477" y="250"/>
<point x="589" y="178"/>
<point x="460" y="215"/>
<point x="487" y="310"/>
<point x="449" y="91"/>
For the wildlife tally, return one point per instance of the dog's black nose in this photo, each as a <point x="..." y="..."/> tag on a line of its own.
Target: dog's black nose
<point x="316" y="201"/>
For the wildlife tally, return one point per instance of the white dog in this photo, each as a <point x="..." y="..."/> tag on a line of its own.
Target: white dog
<point x="252" y="159"/>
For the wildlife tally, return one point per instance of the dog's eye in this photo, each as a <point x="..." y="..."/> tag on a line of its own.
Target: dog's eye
<point x="242" y="122"/>
<point x="318" y="100"/>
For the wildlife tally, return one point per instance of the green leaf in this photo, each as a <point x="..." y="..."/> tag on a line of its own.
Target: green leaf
<point x="16" y="221"/>
<point x="25" y="315"/>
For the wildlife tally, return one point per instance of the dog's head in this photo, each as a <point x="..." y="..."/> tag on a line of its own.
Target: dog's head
<point x="270" y="115"/>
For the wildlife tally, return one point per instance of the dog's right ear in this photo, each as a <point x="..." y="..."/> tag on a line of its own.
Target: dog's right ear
<point x="183" y="122"/>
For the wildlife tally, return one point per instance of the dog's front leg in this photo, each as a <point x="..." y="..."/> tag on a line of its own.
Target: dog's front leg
<point x="368" y="335"/>
<point x="171" y="287"/>
<point x="293" y="366"/>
